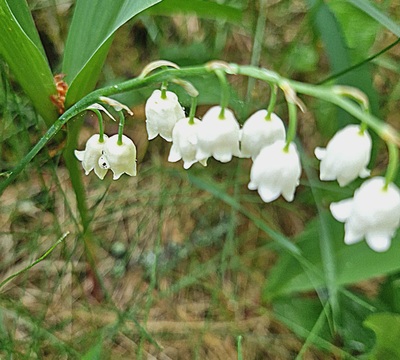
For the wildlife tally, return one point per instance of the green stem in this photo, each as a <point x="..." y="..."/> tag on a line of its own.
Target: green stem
<point x="224" y="91"/>
<point x="363" y="125"/>
<point x="272" y="101"/>
<point x="75" y="175"/>
<point x="257" y="44"/>
<point x="121" y="127"/>
<point x="239" y="347"/>
<point x="393" y="164"/>
<point x="326" y="93"/>
<point x="44" y="256"/>
<point x="193" y="107"/>
<point x="101" y="124"/>
<point x="361" y="63"/>
<point x="291" y="133"/>
<point x="164" y="87"/>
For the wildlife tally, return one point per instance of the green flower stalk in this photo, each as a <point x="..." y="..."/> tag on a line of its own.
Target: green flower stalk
<point x="272" y="101"/>
<point x="225" y="92"/>
<point x="192" y="112"/>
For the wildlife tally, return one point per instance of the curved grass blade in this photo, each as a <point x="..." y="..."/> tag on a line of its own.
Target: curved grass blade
<point x="47" y="253"/>
<point x="27" y="63"/>
<point x="376" y="14"/>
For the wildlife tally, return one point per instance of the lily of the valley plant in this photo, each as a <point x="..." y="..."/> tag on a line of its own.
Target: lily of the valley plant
<point x="372" y="214"/>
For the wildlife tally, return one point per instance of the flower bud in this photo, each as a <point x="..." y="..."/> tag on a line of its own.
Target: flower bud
<point x="346" y="156"/>
<point x="162" y="114"/>
<point x="184" y="143"/>
<point x="276" y="171"/>
<point x="90" y="156"/>
<point x="218" y="137"/>
<point x="119" y="158"/>
<point x="258" y="132"/>
<point x="373" y="213"/>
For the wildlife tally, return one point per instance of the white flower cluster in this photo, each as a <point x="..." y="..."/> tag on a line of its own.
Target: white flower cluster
<point x="108" y="154"/>
<point x="374" y="211"/>
<point x="276" y="169"/>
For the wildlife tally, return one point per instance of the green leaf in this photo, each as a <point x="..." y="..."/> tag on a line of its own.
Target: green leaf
<point x="27" y="62"/>
<point x="200" y="8"/>
<point x="308" y="319"/>
<point x="21" y="11"/>
<point x="89" y="39"/>
<point x="354" y="262"/>
<point x="351" y="20"/>
<point x="376" y="14"/>
<point x="338" y="52"/>
<point x="387" y="330"/>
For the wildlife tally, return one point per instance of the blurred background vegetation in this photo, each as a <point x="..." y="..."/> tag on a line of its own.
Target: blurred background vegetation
<point x="188" y="260"/>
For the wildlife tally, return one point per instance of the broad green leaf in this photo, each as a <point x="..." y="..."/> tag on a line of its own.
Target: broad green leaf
<point x="201" y="8"/>
<point x="339" y="56"/>
<point x="376" y="14"/>
<point x="354" y="262"/>
<point x="387" y="330"/>
<point x="86" y="80"/>
<point x="351" y="20"/>
<point x="307" y="318"/>
<point x="89" y="39"/>
<point x="328" y="29"/>
<point x="27" y="63"/>
<point x="21" y="11"/>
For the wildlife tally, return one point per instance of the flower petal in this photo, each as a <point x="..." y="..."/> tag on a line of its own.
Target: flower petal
<point x="341" y="210"/>
<point x="79" y="154"/>
<point x="320" y="153"/>
<point x="174" y="153"/>
<point x="268" y="194"/>
<point x="379" y="241"/>
<point x="151" y="131"/>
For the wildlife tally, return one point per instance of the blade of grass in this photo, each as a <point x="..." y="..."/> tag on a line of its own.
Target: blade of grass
<point x="326" y="240"/>
<point x="317" y="340"/>
<point x="376" y="14"/>
<point x="44" y="334"/>
<point x="47" y="253"/>
<point x="311" y="338"/>
<point x="361" y="63"/>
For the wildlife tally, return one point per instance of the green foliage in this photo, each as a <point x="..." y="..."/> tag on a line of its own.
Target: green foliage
<point x="387" y="330"/>
<point x="201" y="8"/>
<point x="20" y="48"/>
<point x="359" y="29"/>
<point x="353" y="263"/>
<point x="378" y="15"/>
<point x="89" y="39"/>
<point x="193" y="239"/>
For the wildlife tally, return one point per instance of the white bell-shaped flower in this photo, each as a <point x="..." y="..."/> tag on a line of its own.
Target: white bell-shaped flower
<point x="162" y="114"/>
<point x="184" y="143"/>
<point x="90" y="156"/>
<point x="276" y="171"/>
<point x="346" y="156"/>
<point x="258" y="132"/>
<point x="218" y="137"/>
<point x="119" y="158"/>
<point x="373" y="213"/>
